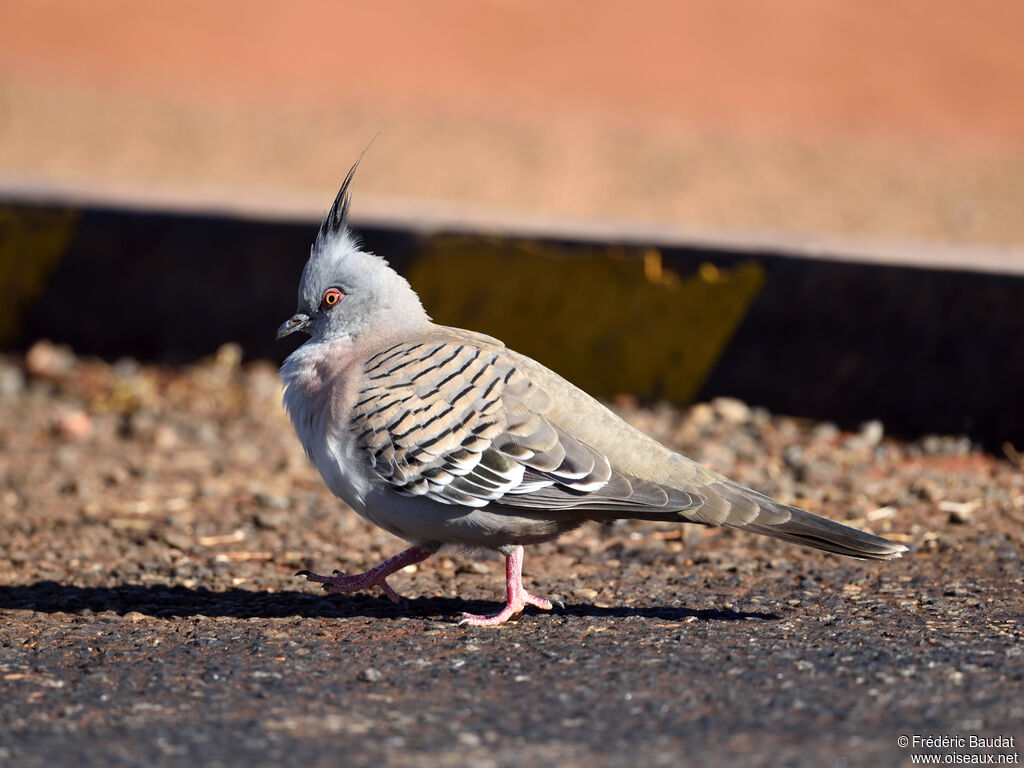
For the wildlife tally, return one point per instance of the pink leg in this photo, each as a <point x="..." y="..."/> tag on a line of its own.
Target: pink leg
<point x="518" y="598"/>
<point x="342" y="582"/>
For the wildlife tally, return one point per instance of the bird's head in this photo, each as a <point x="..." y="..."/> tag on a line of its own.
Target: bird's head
<point x="346" y="291"/>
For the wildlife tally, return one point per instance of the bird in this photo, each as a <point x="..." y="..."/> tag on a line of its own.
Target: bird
<point x="446" y="437"/>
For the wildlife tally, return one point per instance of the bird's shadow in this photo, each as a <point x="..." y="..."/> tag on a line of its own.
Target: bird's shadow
<point x="165" y="601"/>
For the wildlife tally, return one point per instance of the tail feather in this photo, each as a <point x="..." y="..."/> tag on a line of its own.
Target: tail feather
<point x="830" y="536"/>
<point x="781" y="521"/>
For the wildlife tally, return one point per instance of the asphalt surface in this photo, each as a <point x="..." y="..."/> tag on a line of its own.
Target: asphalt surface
<point x="153" y="519"/>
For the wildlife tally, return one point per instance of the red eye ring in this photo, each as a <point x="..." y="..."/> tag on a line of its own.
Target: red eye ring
<point x="331" y="297"/>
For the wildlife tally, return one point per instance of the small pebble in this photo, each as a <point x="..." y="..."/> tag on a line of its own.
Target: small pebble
<point x="12" y="381"/>
<point x="701" y="414"/>
<point x="273" y="501"/>
<point x="74" y="425"/>
<point x="468" y="739"/>
<point x="731" y="410"/>
<point x="228" y="357"/>
<point x="272" y="519"/>
<point x="46" y="360"/>
<point x="178" y="540"/>
<point x="370" y="675"/>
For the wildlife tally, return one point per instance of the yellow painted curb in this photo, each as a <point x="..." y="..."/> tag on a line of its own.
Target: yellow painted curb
<point x="32" y="243"/>
<point x="626" y="324"/>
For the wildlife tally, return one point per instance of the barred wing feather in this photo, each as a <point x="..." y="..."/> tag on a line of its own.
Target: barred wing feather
<point x="459" y="424"/>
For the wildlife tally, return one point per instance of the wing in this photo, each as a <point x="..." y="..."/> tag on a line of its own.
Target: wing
<point x="461" y="424"/>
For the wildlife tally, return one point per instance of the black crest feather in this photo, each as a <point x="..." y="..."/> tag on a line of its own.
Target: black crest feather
<point x="336" y="220"/>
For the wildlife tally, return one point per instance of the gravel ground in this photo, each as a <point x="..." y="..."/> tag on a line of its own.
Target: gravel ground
<point x="153" y="520"/>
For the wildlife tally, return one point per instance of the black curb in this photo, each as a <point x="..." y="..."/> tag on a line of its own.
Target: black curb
<point x="924" y="349"/>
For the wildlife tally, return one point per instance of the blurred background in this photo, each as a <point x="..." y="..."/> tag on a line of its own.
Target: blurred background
<point x="902" y="120"/>
<point x="724" y="195"/>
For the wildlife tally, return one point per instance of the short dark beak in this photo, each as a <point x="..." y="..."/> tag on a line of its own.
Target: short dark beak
<point x="297" y="322"/>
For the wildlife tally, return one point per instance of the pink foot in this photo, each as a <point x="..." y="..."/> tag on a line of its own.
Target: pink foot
<point x="343" y="582"/>
<point x="518" y="598"/>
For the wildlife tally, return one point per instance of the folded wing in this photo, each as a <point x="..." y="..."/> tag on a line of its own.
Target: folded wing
<point x="460" y="425"/>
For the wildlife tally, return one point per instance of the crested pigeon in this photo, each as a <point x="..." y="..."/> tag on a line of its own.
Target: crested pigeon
<point x="444" y="436"/>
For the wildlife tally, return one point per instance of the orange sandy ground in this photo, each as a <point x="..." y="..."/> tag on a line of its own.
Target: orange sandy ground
<point x="902" y="119"/>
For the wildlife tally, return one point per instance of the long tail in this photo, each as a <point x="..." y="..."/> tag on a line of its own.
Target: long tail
<point x="782" y="521"/>
<point x="709" y="499"/>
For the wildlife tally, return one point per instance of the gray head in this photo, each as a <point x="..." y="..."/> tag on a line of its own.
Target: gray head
<point x="346" y="291"/>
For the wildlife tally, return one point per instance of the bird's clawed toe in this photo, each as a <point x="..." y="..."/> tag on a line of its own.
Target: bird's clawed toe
<point x="517" y="597"/>
<point x="512" y="611"/>
<point x="341" y="583"/>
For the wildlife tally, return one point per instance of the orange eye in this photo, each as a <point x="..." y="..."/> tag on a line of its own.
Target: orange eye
<point x="331" y="297"/>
